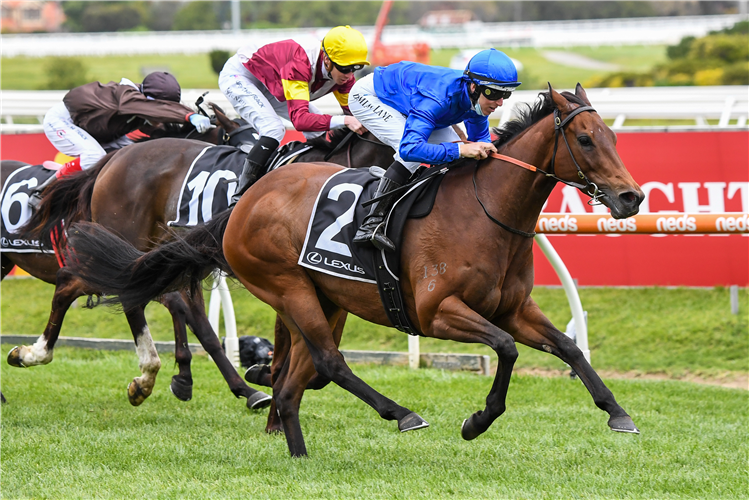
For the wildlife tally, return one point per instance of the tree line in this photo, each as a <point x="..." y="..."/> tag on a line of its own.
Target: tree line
<point x="719" y="58"/>
<point x="93" y="16"/>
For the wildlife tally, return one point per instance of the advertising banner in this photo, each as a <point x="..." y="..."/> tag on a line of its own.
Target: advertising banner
<point x="693" y="172"/>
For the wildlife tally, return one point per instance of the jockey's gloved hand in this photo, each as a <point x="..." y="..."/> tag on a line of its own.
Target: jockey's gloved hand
<point x="201" y="123"/>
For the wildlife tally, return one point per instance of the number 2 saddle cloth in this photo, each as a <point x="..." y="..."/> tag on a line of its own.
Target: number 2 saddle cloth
<point x="15" y="210"/>
<point x="336" y="216"/>
<point x="338" y="213"/>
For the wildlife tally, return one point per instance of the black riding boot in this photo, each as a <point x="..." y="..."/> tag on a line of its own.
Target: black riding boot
<point x="255" y="166"/>
<point x="372" y="229"/>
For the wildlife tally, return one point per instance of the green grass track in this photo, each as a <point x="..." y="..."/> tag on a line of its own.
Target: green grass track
<point x="69" y="432"/>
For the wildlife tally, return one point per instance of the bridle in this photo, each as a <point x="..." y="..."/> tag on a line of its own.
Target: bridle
<point x="589" y="187"/>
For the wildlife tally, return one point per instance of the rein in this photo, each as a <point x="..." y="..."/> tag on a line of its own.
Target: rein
<point x="586" y="188"/>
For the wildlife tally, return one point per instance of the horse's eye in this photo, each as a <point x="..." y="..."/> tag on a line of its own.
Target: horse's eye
<point x="585" y="141"/>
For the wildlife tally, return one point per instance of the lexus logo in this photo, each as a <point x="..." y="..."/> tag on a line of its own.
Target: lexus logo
<point x="314" y="257"/>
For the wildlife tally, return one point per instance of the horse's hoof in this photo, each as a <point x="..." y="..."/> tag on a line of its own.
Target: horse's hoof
<point x="14" y="358"/>
<point x="468" y="430"/>
<point x="274" y="429"/>
<point x="623" y="424"/>
<point x="135" y="394"/>
<point x="181" y="390"/>
<point x="255" y="372"/>
<point x="2" y="398"/>
<point x="411" y="422"/>
<point x="258" y="401"/>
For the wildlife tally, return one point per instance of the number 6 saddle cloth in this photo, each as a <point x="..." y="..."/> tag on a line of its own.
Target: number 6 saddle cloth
<point x="15" y="210"/>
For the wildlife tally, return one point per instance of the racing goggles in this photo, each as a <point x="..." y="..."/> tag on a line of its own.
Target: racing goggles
<point x="347" y="69"/>
<point x="494" y="93"/>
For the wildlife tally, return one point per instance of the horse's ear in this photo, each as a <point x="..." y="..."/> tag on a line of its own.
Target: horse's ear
<point x="217" y="109"/>
<point x="580" y="92"/>
<point x="559" y="101"/>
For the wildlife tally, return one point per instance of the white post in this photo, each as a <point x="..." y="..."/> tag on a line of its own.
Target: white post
<point x="235" y="17"/>
<point x="734" y="290"/>
<point x="413" y="351"/>
<point x="581" y="326"/>
<point x="220" y="296"/>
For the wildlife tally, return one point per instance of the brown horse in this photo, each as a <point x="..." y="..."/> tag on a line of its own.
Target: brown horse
<point x="152" y="173"/>
<point x="476" y="238"/>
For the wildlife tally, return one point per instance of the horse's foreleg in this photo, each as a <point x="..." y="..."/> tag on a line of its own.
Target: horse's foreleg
<point x="530" y="327"/>
<point x="67" y="289"/>
<point x="202" y="329"/>
<point x="181" y="385"/>
<point x="456" y="321"/>
<point x="148" y="359"/>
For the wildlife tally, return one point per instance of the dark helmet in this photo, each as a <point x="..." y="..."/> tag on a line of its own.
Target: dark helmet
<point x="161" y="85"/>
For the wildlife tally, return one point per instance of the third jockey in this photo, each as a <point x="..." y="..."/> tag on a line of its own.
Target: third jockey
<point x="96" y="117"/>
<point x="278" y="80"/>
<point x="411" y="107"/>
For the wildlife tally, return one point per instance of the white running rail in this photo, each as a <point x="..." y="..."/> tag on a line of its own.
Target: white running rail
<point x="729" y="104"/>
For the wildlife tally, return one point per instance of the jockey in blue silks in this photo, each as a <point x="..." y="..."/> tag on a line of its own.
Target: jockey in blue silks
<point x="412" y="107"/>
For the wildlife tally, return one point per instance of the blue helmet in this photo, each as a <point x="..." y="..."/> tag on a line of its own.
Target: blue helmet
<point x="494" y="69"/>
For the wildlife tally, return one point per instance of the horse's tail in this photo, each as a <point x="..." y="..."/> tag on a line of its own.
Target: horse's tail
<point x="67" y="199"/>
<point x="131" y="277"/>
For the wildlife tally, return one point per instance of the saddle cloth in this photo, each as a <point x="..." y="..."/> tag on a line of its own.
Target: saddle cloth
<point x="15" y="210"/>
<point x="209" y="185"/>
<point x="338" y="213"/>
<point x="212" y="178"/>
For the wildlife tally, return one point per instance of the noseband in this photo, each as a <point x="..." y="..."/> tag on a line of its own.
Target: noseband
<point x="589" y="187"/>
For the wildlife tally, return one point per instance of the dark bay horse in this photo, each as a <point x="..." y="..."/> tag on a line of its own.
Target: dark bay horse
<point x="477" y="237"/>
<point x="134" y="192"/>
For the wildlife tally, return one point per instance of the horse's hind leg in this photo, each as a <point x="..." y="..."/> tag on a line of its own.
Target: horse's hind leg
<point x="532" y="328"/>
<point x="307" y="322"/>
<point x="7" y="266"/>
<point x="67" y="289"/>
<point x="181" y="385"/>
<point x="280" y="365"/>
<point x="202" y="329"/>
<point x="148" y="359"/>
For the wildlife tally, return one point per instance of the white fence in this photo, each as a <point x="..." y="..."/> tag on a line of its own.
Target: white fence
<point x="728" y="104"/>
<point x="594" y="32"/>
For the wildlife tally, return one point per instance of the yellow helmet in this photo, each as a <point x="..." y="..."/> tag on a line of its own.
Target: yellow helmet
<point x="346" y="47"/>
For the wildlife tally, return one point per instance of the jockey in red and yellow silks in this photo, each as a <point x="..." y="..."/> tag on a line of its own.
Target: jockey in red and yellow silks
<point x="279" y="80"/>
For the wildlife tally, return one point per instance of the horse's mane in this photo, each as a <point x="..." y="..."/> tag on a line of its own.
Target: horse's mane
<point x="528" y="114"/>
<point x="330" y="140"/>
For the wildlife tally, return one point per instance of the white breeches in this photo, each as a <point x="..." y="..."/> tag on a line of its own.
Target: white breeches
<point x="386" y="122"/>
<point x="253" y="101"/>
<point x="72" y="140"/>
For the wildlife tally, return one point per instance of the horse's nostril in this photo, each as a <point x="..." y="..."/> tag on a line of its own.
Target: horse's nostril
<point x="628" y="197"/>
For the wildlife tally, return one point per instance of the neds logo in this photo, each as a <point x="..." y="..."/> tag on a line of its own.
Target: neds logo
<point x="566" y="223"/>
<point x="607" y="224"/>
<point x="731" y="223"/>
<point x="683" y="223"/>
